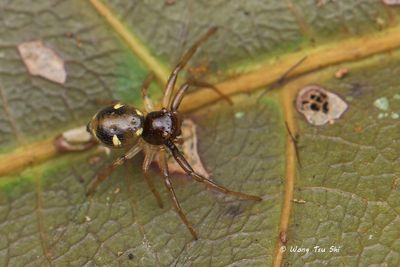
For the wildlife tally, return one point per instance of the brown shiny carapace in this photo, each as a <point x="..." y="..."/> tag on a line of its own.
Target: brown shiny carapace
<point x="154" y="132"/>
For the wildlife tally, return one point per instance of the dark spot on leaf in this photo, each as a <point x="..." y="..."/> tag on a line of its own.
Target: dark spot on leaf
<point x="356" y="90"/>
<point x="234" y="210"/>
<point x="325" y="108"/>
<point x="314" y="107"/>
<point x="130" y="256"/>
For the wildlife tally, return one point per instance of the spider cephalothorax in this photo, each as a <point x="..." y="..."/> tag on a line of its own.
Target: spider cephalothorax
<point x="160" y="126"/>
<point x="123" y="126"/>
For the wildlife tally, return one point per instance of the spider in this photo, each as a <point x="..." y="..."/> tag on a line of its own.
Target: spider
<point x="154" y="133"/>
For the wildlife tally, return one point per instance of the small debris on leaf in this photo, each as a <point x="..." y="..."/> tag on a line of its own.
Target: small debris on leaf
<point x="395" y="183"/>
<point x="43" y="61"/>
<point x="87" y="218"/>
<point x="382" y="103"/>
<point x="75" y="37"/>
<point x="239" y="115"/>
<point x="130" y="256"/>
<point x="380" y="22"/>
<point x="320" y="106"/>
<point x="383" y="115"/>
<point x="189" y="149"/>
<point x="340" y="73"/>
<point x="116" y="191"/>
<point x="391" y="2"/>
<point x="358" y="129"/>
<point x="298" y="201"/>
<point x="119" y="253"/>
<point x="283" y="237"/>
<point x="77" y="139"/>
<point x="394" y="115"/>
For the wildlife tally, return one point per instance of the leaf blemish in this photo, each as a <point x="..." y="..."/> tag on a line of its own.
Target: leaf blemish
<point x="319" y="106"/>
<point x="234" y="210"/>
<point x="43" y="61"/>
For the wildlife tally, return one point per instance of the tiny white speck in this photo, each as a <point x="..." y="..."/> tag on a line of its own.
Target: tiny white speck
<point x="395" y="115"/>
<point x="87" y="218"/>
<point x="239" y="115"/>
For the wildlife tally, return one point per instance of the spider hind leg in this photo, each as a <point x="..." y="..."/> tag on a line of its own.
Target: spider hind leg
<point x="108" y="170"/>
<point x="148" y="158"/>
<point x="162" y="160"/>
<point x="199" y="178"/>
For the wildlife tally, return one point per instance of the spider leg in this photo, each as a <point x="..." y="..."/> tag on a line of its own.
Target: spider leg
<point x="176" y="101"/>
<point x="107" y="171"/>
<point x="148" y="158"/>
<point x="148" y="104"/>
<point x="189" y="170"/>
<point x="182" y="63"/>
<point x="164" y="168"/>
<point x="179" y="140"/>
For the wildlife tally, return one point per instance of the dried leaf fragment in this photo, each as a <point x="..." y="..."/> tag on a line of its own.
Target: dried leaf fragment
<point x="43" y="61"/>
<point x="319" y="106"/>
<point x="77" y="139"/>
<point x="340" y="73"/>
<point x="189" y="149"/>
<point x="391" y="2"/>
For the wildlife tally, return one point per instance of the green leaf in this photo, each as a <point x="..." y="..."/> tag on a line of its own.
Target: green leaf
<point x="344" y="194"/>
<point x="350" y="175"/>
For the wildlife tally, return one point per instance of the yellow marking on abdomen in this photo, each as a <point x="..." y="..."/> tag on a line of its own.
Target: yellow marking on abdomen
<point x="116" y="141"/>
<point x="118" y="105"/>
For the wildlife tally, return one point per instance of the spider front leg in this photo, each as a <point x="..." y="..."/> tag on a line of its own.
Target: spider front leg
<point x="148" y="158"/>
<point x="107" y="171"/>
<point x="169" y="88"/>
<point x="176" y="101"/>
<point x="162" y="160"/>
<point x="189" y="170"/>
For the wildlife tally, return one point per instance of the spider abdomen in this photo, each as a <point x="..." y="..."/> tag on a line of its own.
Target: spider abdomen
<point x="117" y="126"/>
<point x="160" y="126"/>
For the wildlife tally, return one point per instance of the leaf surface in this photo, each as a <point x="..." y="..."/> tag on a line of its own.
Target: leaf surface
<point x="344" y="194"/>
